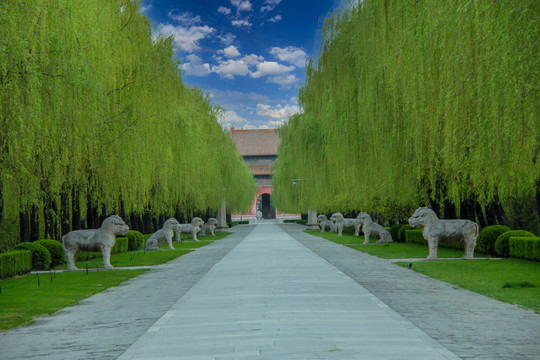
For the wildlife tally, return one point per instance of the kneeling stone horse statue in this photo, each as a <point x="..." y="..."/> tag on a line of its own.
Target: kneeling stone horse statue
<point x="94" y="240"/>
<point x="435" y="231"/>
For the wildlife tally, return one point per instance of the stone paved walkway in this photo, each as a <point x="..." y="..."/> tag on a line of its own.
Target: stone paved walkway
<point x="260" y="294"/>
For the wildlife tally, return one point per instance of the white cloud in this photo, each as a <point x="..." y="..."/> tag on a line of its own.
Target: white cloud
<point x="186" y="38"/>
<point x="232" y="99"/>
<point x="290" y="54"/>
<point x="275" y="19"/>
<point x="285" y="80"/>
<point x="270" y="68"/>
<point x="270" y="5"/>
<point x="224" y="10"/>
<point x="231" y="118"/>
<point x="230" y="51"/>
<point x="240" y="23"/>
<point x="252" y="59"/>
<point x="195" y="66"/>
<point x="227" y="39"/>
<point x="279" y="113"/>
<point x="186" y="18"/>
<point x="241" y="5"/>
<point x="145" y="8"/>
<point x="231" y="68"/>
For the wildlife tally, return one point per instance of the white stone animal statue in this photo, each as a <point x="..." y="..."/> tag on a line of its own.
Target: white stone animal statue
<point x="435" y="231"/>
<point x="209" y="226"/>
<point x="94" y="240"/>
<point x="325" y="223"/>
<point x="165" y="234"/>
<point x="369" y="228"/>
<point x="192" y="228"/>
<point x="343" y="223"/>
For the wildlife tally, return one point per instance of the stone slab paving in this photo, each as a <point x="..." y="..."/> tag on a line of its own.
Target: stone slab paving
<point x="272" y="298"/>
<point x="471" y="325"/>
<point x="104" y="325"/>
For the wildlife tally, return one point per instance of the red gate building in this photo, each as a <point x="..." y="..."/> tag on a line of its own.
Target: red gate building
<point x="259" y="150"/>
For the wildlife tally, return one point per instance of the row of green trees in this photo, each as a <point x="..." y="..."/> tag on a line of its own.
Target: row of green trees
<point x="95" y="119"/>
<point x="418" y="102"/>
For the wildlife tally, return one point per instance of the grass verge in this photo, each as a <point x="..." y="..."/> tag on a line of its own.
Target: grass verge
<point x="149" y="258"/>
<point x="23" y="300"/>
<point x="513" y="281"/>
<point x="386" y="251"/>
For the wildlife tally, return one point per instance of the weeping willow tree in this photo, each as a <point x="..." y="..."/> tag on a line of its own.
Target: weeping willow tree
<point x="95" y="119"/>
<point x="417" y="102"/>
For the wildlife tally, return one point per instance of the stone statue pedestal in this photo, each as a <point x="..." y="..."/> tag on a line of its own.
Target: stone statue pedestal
<point x="222" y="217"/>
<point x="312" y="220"/>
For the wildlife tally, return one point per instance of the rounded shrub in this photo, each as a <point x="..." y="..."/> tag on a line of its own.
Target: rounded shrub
<point x="394" y="229"/>
<point x="56" y="250"/>
<point x="501" y="245"/>
<point x="135" y="240"/>
<point x="487" y="237"/>
<point x="401" y="232"/>
<point x="41" y="258"/>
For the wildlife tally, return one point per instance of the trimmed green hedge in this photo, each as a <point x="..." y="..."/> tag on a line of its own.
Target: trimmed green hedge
<point x="525" y="247"/>
<point x="136" y="241"/>
<point x="234" y="223"/>
<point x="289" y="221"/>
<point x="56" y="250"/>
<point x="501" y="245"/>
<point x="487" y="238"/>
<point x="401" y="233"/>
<point x="15" y="263"/>
<point x="394" y="231"/>
<point x="301" y="222"/>
<point x="41" y="258"/>
<point x="415" y="236"/>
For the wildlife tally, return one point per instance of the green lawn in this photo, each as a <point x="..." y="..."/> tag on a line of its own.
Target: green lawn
<point x="148" y="258"/>
<point x="498" y="279"/>
<point x="387" y="251"/>
<point x="23" y="300"/>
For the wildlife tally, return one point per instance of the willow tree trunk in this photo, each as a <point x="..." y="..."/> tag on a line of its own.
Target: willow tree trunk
<point x="499" y="212"/>
<point x="75" y="208"/>
<point x="537" y="197"/>
<point x="449" y="210"/>
<point x="91" y="213"/>
<point x="147" y="223"/>
<point x="480" y="215"/>
<point x="24" y="225"/>
<point x="34" y="223"/>
<point x="467" y="209"/>
<point x="64" y="212"/>
<point x="1" y="200"/>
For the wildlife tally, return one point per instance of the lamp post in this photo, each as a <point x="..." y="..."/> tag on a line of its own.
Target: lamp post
<point x="312" y="215"/>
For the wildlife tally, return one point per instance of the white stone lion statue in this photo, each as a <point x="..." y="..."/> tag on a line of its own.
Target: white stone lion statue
<point x="325" y="223"/>
<point x="94" y="240"/>
<point x="345" y="223"/>
<point x="209" y="226"/>
<point x="164" y="234"/>
<point x="435" y="231"/>
<point x="369" y="228"/>
<point x="192" y="228"/>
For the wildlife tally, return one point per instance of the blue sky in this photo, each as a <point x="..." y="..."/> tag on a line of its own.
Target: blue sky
<point x="248" y="54"/>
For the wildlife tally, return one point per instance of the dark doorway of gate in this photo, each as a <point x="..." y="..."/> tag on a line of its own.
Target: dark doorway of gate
<point x="265" y="208"/>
